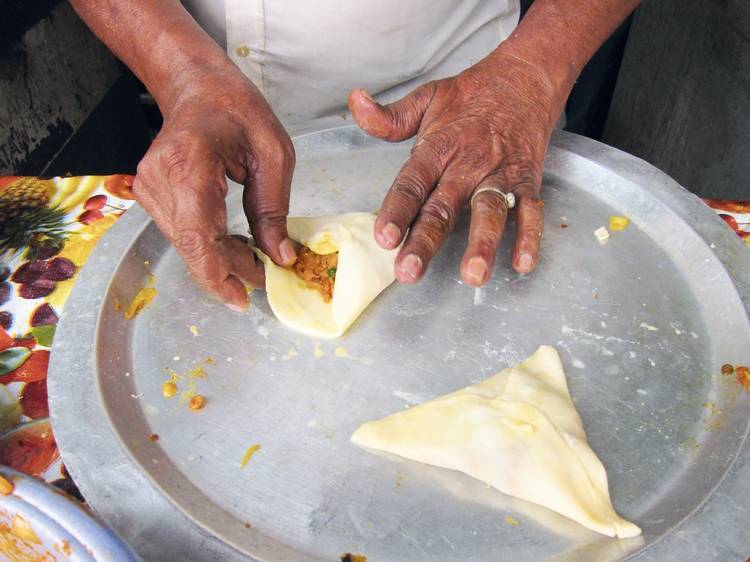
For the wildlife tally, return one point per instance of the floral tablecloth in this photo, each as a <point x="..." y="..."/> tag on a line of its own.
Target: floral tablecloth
<point x="48" y="228"/>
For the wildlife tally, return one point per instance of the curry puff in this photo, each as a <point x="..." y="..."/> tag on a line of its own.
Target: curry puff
<point x="339" y="271"/>
<point x="517" y="431"/>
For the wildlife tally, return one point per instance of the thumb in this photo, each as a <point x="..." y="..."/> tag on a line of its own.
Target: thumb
<point x="395" y="121"/>
<point x="266" y="203"/>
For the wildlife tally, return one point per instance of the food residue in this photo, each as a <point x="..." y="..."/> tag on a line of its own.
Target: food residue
<point x="118" y="306"/>
<point x="349" y="557"/>
<point x="23" y="530"/>
<point x="194" y="330"/>
<point x="14" y="547"/>
<point x="153" y="437"/>
<point x="64" y="548"/>
<point x="6" y="486"/>
<point x="563" y="225"/>
<point x="714" y="417"/>
<point x="169" y="389"/>
<point x="249" y="453"/>
<point x="170" y="386"/>
<point x="140" y="301"/>
<point x="196" y="402"/>
<point x="617" y="223"/>
<point x="341" y="352"/>
<point x="318" y="350"/>
<point x="289" y="354"/>
<point x="743" y="377"/>
<point x="510" y="520"/>
<point x="318" y="271"/>
<point x="601" y="235"/>
<point x="727" y="369"/>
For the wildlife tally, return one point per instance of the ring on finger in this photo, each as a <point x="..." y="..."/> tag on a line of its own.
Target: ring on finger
<point x="508" y="198"/>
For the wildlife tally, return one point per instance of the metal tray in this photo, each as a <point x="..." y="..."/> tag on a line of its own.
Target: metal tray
<point x="643" y="324"/>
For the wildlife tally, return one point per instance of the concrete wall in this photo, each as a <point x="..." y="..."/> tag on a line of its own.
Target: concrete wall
<point x="682" y="100"/>
<point x="54" y="76"/>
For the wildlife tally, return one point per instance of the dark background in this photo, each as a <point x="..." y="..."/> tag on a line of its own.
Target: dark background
<point x="671" y="86"/>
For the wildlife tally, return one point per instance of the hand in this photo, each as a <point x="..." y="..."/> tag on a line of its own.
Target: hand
<point x="219" y="125"/>
<point x="488" y="126"/>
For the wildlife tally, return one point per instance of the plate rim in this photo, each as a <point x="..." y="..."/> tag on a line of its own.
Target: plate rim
<point x="728" y="250"/>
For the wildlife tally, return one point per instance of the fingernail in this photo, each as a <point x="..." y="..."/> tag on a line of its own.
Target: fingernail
<point x="525" y="263"/>
<point x="367" y="96"/>
<point x="286" y="249"/>
<point x="235" y="308"/>
<point x="476" y="269"/>
<point x="412" y="266"/>
<point x="391" y="235"/>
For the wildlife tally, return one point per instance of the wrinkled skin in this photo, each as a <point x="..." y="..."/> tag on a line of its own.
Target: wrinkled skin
<point x="484" y="127"/>
<point x="488" y="126"/>
<point x="220" y="125"/>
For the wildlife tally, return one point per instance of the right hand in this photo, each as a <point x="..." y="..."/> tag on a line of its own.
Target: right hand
<point x="219" y="124"/>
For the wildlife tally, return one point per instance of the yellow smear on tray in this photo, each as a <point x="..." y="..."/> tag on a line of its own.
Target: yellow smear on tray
<point x="170" y="386"/>
<point x="290" y="354"/>
<point x="6" y="486"/>
<point x="140" y="301"/>
<point x="23" y="530"/>
<point x="197" y="372"/>
<point x="142" y="298"/>
<point x="169" y="389"/>
<point x="617" y="223"/>
<point x="249" y="453"/>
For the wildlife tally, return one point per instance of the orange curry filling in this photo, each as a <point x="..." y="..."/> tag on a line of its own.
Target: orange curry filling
<point x="317" y="271"/>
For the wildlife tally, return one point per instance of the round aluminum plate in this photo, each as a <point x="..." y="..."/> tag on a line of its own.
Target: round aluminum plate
<point x="643" y="324"/>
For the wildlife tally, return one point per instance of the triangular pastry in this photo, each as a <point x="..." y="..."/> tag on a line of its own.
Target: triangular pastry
<point x="517" y="431"/>
<point x="363" y="270"/>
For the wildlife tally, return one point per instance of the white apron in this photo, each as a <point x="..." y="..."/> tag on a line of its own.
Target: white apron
<point x="306" y="55"/>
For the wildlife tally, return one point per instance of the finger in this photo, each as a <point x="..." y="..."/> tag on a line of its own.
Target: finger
<point x="207" y="261"/>
<point x="243" y="263"/>
<point x="199" y="234"/>
<point x="435" y="221"/>
<point x="183" y="188"/>
<point x="530" y="223"/>
<point x="414" y="182"/>
<point x="395" y="121"/>
<point x="489" y="213"/>
<point x="266" y="199"/>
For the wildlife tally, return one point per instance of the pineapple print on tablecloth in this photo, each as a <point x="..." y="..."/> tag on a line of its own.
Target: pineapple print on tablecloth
<point x="26" y="220"/>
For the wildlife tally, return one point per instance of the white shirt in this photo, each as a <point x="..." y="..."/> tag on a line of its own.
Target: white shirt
<point x="307" y="55"/>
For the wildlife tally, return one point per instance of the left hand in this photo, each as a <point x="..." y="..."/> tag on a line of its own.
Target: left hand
<point x="488" y="126"/>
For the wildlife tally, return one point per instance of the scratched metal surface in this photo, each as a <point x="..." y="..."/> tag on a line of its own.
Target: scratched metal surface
<point x="642" y="324"/>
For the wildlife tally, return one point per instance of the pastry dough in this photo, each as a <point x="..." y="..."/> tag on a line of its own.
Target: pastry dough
<point x="517" y="431"/>
<point x="364" y="270"/>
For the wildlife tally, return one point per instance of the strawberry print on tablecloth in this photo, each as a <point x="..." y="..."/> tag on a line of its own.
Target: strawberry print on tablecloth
<point x="736" y="214"/>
